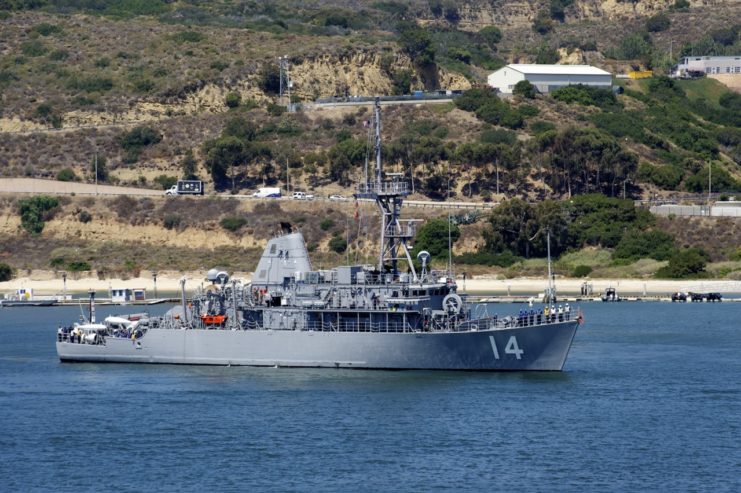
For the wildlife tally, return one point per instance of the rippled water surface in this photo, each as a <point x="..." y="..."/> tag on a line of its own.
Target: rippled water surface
<point x="650" y="399"/>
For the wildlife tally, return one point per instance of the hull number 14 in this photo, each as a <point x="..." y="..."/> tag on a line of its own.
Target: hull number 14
<point x="511" y="348"/>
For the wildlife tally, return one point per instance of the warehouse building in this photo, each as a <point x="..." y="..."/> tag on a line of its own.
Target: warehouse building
<point x="547" y="78"/>
<point x="710" y="65"/>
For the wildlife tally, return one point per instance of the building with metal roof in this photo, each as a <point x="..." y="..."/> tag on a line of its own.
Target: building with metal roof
<point x="710" y="65"/>
<point x="547" y="78"/>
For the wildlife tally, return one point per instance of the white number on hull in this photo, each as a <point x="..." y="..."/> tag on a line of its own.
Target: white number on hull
<point x="494" y="347"/>
<point x="511" y="348"/>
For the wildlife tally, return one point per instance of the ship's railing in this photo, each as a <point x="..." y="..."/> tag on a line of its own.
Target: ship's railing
<point x="384" y="188"/>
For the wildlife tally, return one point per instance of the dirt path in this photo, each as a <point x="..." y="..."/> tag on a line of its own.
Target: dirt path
<point x="34" y="185"/>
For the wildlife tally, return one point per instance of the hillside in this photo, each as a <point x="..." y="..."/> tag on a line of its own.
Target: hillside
<point x="163" y="90"/>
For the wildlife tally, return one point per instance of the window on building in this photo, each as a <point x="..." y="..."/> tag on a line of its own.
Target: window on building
<point x="728" y="70"/>
<point x="510" y="86"/>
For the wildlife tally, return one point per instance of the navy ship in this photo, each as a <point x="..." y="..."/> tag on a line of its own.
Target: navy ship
<point x="391" y="315"/>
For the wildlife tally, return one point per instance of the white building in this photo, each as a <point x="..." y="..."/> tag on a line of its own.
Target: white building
<point x="548" y="77"/>
<point x="710" y="65"/>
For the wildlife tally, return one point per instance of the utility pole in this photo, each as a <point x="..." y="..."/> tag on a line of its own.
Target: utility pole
<point x="96" y="173"/>
<point x="710" y="180"/>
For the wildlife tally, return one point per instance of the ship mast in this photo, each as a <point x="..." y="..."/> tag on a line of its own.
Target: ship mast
<point x="388" y="190"/>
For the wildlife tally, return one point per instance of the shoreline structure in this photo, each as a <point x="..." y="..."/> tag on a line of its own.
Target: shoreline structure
<point x="51" y="283"/>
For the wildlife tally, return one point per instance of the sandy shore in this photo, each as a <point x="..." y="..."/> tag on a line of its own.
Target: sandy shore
<point x="50" y="283"/>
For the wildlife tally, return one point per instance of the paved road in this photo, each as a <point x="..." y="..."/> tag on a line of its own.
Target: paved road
<point x="37" y="186"/>
<point x="34" y="185"/>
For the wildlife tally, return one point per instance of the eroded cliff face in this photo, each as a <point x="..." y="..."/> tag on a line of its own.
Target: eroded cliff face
<point x="360" y="73"/>
<point x="520" y="13"/>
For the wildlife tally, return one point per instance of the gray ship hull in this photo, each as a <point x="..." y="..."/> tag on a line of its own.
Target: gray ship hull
<point x="540" y="347"/>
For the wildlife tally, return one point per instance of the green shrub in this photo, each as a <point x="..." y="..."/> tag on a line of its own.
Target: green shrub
<point x="6" y="272"/>
<point x="139" y="137"/>
<point x="66" y="174"/>
<point x="35" y="211"/>
<point x="46" y="29"/>
<point x="171" y="221"/>
<point x="581" y="271"/>
<point x="84" y="217"/>
<point x="688" y="262"/>
<point x="59" y="55"/>
<point x="93" y="83"/>
<point x="232" y="223"/>
<point x="78" y="266"/>
<point x="657" y="23"/>
<point x="636" y="245"/>
<point x="33" y="48"/>
<point x="542" y="23"/>
<point x="525" y="89"/>
<point x="326" y="224"/>
<point x="503" y="259"/>
<point x="188" y="37"/>
<point x="681" y="4"/>
<point x="232" y="100"/>
<point x="401" y="82"/>
<point x="491" y="35"/>
<point x="585" y="95"/>
<point x="165" y="181"/>
<point x="338" y="244"/>
<point x="666" y="177"/>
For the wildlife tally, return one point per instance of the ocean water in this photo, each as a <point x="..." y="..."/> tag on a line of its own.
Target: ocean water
<point x="650" y="400"/>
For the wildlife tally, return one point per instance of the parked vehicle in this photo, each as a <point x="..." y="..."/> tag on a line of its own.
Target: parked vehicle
<point x="302" y="196"/>
<point x="337" y="197"/>
<point x="267" y="192"/>
<point x="186" y="187"/>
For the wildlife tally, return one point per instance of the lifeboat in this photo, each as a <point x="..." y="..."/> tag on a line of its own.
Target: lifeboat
<point x="213" y="319"/>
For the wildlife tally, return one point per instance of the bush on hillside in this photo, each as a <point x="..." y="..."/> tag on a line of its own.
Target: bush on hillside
<point x="525" y="89"/>
<point x="657" y="245"/>
<point x="232" y="223"/>
<point x="657" y="23"/>
<point x="35" y="211"/>
<point x="688" y="262"/>
<point x="581" y="271"/>
<point x="6" y="272"/>
<point x="66" y="174"/>
<point x="338" y="244"/>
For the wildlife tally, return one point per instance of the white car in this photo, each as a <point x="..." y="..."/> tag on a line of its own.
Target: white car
<point x="337" y="197"/>
<point x="302" y="196"/>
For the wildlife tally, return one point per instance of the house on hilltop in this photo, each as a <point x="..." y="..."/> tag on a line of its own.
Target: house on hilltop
<point x="547" y="78"/>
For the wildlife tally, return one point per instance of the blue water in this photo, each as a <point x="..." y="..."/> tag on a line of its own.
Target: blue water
<point x="650" y="399"/>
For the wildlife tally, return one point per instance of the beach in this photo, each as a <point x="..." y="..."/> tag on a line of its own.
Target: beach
<point x="51" y="283"/>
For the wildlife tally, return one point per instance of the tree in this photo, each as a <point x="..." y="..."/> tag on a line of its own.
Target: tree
<point x="525" y="89"/>
<point x="99" y="164"/>
<point x="542" y="23"/>
<point x="688" y="262"/>
<point x="223" y="154"/>
<point x="491" y="35"/>
<point x="402" y="82"/>
<point x="6" y="272"/>
<point x="433" y="237"/>
<point x="417" y="43"/>
<point x="189" y="166"/>
<point x="269" y="80"/>
<point x="343" y="156"/>
<point x="35" y="210"/>
<point x="658" y="22"/>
